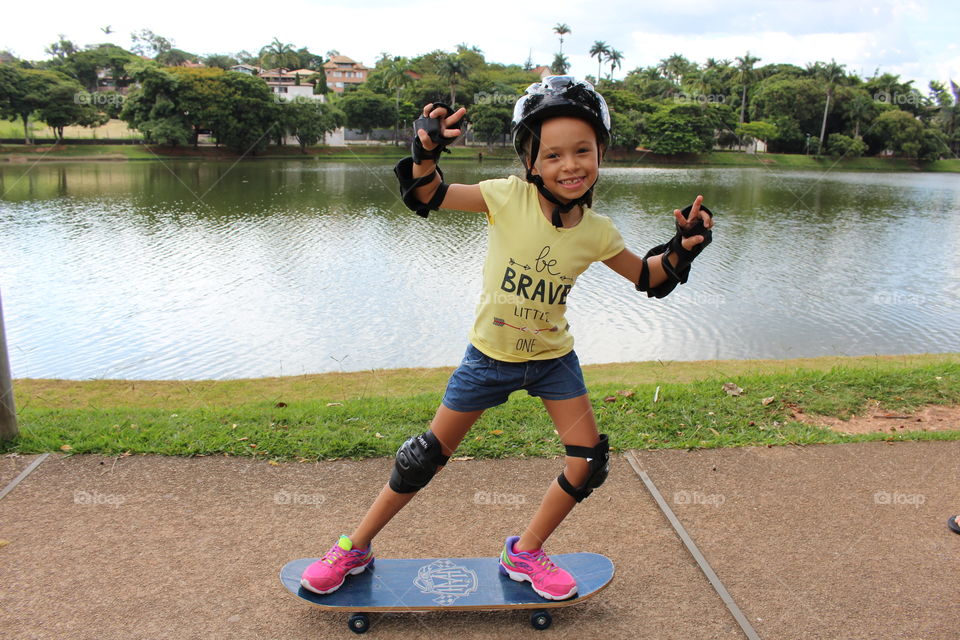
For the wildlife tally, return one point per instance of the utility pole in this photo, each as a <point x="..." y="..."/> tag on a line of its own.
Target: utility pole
<point x="8" y="411"/>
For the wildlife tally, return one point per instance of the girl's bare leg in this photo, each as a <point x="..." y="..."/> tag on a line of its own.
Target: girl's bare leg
<point x="576" y="425"/>
<point x="449" y="427"/>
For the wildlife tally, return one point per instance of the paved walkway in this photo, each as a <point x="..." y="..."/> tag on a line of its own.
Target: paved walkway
<point x="841" y="541"/>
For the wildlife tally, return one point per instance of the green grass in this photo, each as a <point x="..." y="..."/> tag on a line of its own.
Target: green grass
<point x="370" y="413"/>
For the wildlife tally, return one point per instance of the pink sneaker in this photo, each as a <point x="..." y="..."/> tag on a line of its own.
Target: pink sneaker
<point x="328" y="573"/>
<point x="547" y="579"/>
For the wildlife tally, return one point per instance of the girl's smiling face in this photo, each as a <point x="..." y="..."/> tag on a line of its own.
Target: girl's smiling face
<point x="568" y="160"/>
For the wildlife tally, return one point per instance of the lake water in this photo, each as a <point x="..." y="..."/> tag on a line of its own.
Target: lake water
<point x="192" y="270"/>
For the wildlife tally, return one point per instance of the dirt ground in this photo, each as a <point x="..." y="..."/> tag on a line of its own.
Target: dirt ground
<point x="876" y="420"/>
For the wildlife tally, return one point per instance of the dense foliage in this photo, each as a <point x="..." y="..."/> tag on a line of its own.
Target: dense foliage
<point x="677" y="106"/>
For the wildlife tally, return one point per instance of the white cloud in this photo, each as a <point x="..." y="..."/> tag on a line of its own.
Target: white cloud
<point x="902" y="36"/>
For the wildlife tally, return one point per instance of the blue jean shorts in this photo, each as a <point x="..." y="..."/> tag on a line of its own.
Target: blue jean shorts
<point x="481" y="382"/>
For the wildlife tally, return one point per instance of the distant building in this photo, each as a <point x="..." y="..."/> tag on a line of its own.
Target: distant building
<point x="291" y="84"/>
<point x="342" y="71"/>
<point x="542" y="71"/>
<point x="246" y="68"/>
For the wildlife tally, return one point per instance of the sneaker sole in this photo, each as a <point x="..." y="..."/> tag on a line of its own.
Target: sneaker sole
<point x="522" y="577"/>
<point x="306" y="583"/>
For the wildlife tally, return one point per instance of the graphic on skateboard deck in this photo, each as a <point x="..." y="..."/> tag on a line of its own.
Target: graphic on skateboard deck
<point x="458" y="584"/>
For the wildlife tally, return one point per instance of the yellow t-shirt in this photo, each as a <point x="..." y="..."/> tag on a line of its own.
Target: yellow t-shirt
<point x="529" y="271"/>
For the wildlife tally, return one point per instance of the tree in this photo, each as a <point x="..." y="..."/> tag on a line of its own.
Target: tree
<point x="453" y="69"/>
<point x="279" y="55"/>
<point x="491" y="121"/>
<point x="614" y="58"/>
<point x="859" y="108"/>
<point x="309" y="120"/>
<point x="11" y="86"/>
<point x="62" y="49"/>
<point x="152" y="108"/>
<point x="599" y="50"/>
<point x="67" y="104"/>
<point x="250" y="114"/>
<point x="175" y="57"/>
<point x="147" y="43"/>
<point x="757" y="130"/>
<point x="23" y="91"/>
<point x="561" y="30"/>
<point x="200" y="94"/>
<point x="840" y="145"/>
<point x="396" y="76"/>
<point x="679" y="128"/>
<point x="780" y="99"/>
<point x="675" y="68"/>
<point x="220" y="61"/>
<point x="307" y="60"/>
<point x="948" y="113"/>
<point x="902" y="133"/>
<point x="366" y="111"/>
<point x="86" y="65"/>
<point x="745" y="75"/>
<point x="828" y="73"/>
<point x="560" y="64"/>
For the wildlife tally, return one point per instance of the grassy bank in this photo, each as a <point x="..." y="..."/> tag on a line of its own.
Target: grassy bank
<point x="85" y="152"/>
<point x="370" y="413"/>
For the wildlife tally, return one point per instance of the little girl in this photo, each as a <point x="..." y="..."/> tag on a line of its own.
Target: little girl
<point x="542" y="234"/>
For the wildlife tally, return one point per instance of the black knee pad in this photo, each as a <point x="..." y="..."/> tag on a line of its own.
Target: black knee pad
<point x="598" y="459"/>
<point x="416" y="463"/>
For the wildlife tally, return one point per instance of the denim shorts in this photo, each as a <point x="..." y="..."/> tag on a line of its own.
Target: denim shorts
<point x="481" y="382"/>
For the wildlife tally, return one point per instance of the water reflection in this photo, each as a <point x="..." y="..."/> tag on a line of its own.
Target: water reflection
<point x="219" y="269"/>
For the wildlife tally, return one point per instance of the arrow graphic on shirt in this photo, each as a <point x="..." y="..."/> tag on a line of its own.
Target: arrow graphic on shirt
<point x="499" y="322"/>
<point x="515" y="263"/>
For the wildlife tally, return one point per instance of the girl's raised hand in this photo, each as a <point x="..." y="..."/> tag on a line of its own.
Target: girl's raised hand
<point x="690" y="222"/>
<point x="446" y="124"/>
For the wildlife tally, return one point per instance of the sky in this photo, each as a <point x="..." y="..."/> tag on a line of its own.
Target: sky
<point x="913" y="39"/>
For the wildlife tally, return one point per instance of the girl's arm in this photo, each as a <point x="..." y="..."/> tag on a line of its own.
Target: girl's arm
<point x="630" y="265"/>
<point x="462" y="197"/>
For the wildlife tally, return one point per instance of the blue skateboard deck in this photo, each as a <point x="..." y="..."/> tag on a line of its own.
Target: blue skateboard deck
<point x="460" y="584"/>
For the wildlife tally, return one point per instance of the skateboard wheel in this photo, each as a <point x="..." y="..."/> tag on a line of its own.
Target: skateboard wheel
<point x="540" y="620"/>
<point x="359" y="623"/>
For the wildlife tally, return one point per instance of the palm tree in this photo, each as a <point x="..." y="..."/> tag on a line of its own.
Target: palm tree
<point x="561" y="30"/>
<point x="614" y="58"/>
<point x="859" y="108"/>
<point x="560" y="64"/>
<point x="599" y="50"/>
<point x="745" y="75"/>
<point x="453" y="69"/>
<point x="675" y="68"/>
<point x="830" y="73"/>
<point x="395" y="77"/>
<point x="279" y="55"/>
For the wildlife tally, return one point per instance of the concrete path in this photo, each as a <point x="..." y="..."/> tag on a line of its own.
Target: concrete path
<point x="842" y="541"/>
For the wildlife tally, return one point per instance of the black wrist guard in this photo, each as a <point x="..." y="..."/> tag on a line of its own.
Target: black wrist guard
<point x="675" y="274"/>
<point x="433" y="128"/>
<point x="408" y="186"/>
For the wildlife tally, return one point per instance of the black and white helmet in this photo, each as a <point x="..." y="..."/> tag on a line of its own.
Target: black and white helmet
<point x="559" y="96"/>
